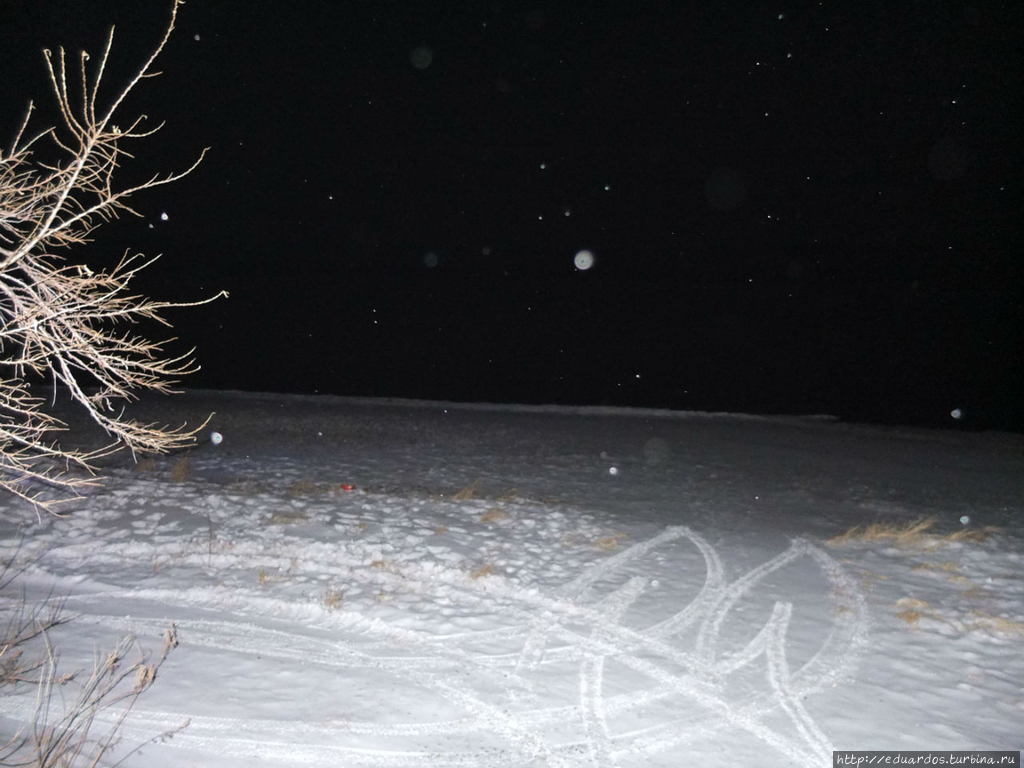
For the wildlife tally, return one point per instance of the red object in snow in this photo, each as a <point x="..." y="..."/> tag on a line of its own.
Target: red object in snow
<point x="347" y="487"/>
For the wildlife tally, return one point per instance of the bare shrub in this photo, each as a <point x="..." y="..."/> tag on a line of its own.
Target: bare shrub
<point x="62" y="320"/>
<point x="62" y="732"/>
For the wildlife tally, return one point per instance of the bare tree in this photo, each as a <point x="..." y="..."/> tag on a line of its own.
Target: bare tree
<point x="61" y="320"/>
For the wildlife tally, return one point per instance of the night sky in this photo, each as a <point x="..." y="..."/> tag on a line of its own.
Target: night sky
<point x="792" y="207"/>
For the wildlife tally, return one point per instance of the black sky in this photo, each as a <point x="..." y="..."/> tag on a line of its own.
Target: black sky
<point x="793" y="207"/>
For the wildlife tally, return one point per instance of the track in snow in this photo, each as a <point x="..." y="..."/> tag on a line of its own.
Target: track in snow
<point x="566" y="678"/>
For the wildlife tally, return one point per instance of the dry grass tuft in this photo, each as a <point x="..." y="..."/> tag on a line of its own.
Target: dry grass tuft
<point x="483" y="570"/>
<point x="1001" y="624"/>
<point x="309" y="487"/>
<point x="468" y="493"/>
<point x="974" y="534"/>
<point x="181" y="469"/>
<point x="493" y="515"/>
<point x="608" y="543"/>
<point x="912" y="602"/>
<point x="146" y="464"/>
<point x="905" y="533"/>
<point x="61" y="732"/>
<point x="304" y="486"/>
<point x="913" y="610"/>
<point x="333" y="598"/>
<point x="911" y="534"/>
<point x="909" y="616"/>
<point x="287" y="518"/>
<point x="948" y="567"/>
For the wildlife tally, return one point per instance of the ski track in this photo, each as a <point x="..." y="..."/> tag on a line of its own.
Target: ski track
<point x="567" y="678"/>
<point x="503" y="696"/>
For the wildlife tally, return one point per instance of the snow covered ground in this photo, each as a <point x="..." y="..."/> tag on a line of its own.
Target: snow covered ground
<point x="515" y="586"/>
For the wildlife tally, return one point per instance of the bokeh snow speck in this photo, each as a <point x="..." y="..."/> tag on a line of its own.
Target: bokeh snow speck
<point x="583" y="260"/>
<point x="421" y="57"/>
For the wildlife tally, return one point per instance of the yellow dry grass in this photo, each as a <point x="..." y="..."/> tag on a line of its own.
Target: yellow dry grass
<point x="287" y="518"/>
<point x="608" y="543"/>
<point x="999" y="624"/>
<point x="913" y="609"/>
<point x="483" y="570"/>
<point x="307" y="486"/>
<point x="146" y="464"/>
<point x="468" y="493"/>
<point x="973" y="534"/>
<point x="948" y="567"/>
<point x="492" y="515"/>
<point x="909" y="616"/>
<point x="913" y="533"/>
<point x="333" y="598"/>
<point x="181" y="469"/>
